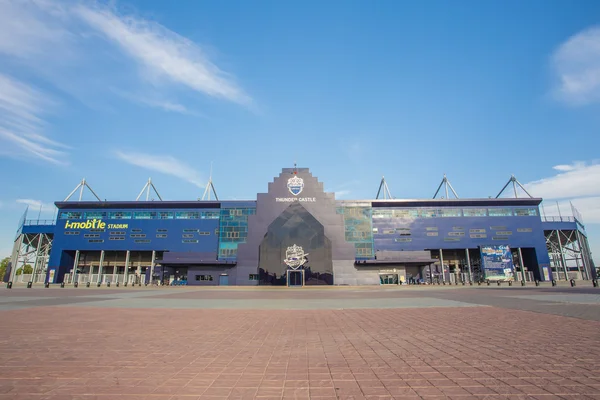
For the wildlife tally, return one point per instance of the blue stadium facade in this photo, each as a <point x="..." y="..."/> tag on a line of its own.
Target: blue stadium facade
<point x="298" y="234"/>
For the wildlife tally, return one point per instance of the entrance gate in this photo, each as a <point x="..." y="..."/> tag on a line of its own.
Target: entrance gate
<point x="295" y="277"/>
<point x="388" y="279"/>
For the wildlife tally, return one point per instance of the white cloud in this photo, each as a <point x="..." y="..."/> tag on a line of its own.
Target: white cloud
<point x="572" y="181"/>
<point x="22" y="125"/>
<point x="164" y="164"/>
<point x="577" y="183"/>
<point x="66" y="42"/>
<point x="150" y="101"/>
<point x="34" y="205"/>
<point x="577" y="65"/>
<point x="163" y="53"/>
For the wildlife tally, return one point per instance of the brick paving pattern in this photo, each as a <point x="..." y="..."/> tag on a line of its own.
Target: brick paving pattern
<point x="64" y="351"/>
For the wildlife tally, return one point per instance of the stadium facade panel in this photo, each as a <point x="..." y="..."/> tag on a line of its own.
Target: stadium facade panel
<point x="297" y="234"/>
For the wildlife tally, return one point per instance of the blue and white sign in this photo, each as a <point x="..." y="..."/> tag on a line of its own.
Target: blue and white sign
<point x="497" y="263"/>
<point x="295" y="185"/>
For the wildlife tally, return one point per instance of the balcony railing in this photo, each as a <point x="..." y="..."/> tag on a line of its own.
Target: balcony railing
<point x="558" y="219"/>
<point x="30" y="222"/>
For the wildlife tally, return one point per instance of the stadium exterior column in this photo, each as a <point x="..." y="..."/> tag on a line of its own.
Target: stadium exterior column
<point x="442" y="265"/>
<point x="152" y="266"/>
<point x="75" y="266"/>
<point x="583" y="250"/>
<point x="522" y="265"/>
<point x="126" y="277"/>
<point x="100" y="266"/>
<point x="37" y="258"/>
<point x="14" y="258"/>
<point x="469" y="265"/>
<point x="562" y="255"/>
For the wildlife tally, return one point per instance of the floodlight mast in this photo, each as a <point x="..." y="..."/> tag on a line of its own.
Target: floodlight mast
<point x="447" y="185"/>
<point x="515" y="184"/>
<point x="210" y="187"/>
<point x="384" y="190"/>
<point x="147" y="188"/>
<point x="81" y="186"/>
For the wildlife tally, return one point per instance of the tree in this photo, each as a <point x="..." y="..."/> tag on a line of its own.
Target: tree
<point x="26" y="269"/>
<point x="3" y="266"/>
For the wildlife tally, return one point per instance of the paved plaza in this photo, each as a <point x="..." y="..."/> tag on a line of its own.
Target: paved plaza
<point x="318" y="343"/>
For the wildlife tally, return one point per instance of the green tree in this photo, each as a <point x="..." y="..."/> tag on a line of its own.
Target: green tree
<point x="26" y="269"/>
<point x="3" y="266"/>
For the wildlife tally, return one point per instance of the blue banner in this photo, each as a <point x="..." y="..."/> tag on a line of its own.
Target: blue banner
<point x="497" y="263"/>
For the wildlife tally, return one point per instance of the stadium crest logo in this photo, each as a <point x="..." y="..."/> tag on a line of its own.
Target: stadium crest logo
<point x="295" y="257"/>
<point x="295" y="185"/>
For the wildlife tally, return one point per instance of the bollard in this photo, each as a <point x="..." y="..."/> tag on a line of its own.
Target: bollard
<point x="117" y="284"/>
<point x="572" y="282"/>
<point x="75" y="284"/>
<point x="145" y="284"/>
<point x="479" y="283"/>
<point x="125" y="284"/>
<point x="62" y="284"/>
<point x="499" y="283"/>
<point x="509" y="283"/>
<point x="488" y="283"/>
<point x="463" y="282"/>
<point x="594" y="282"/>
<point x="523" y="283"/>
<point x="9" y="285"/>
<point x="29" y="285"/>
<point x="470" y="283"/>
<point x="98" y="284"/>
<point x="87" y="284"/>
<point x="553" y="282"/>
<point x="46" y="285"/>
<point x="537" y="283"/>
<point x="107" y="284"/>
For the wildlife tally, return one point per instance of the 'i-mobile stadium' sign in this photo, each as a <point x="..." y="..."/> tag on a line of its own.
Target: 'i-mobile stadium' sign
<point x="94" y="224"/>
<point x="295" y="185"/>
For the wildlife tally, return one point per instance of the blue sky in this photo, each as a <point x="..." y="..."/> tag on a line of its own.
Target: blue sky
<point x="121" y="91"/>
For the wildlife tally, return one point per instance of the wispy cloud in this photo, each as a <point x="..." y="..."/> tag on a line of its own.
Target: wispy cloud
<point x="22" y="124"/>
<point x="164" y="164"/>
<point x="578" y="183"/>
<point x="36" y="204"/>
<point x="162" y="54"/>
<point x="74" y="39"/>
<point x="575" y="180"/>
<point x="150" y="101"/>
<point x="576" y="63"/>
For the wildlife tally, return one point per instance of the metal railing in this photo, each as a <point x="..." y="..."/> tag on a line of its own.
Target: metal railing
<point x="558" y="219"/>
<point x="29" y="222"/>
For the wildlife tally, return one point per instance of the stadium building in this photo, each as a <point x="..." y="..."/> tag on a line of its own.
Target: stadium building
<point x="297" y="234"/>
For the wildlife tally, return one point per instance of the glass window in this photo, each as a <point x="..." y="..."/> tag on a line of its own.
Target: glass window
<point x="427" y="212"/>
<point x="253" y="277"/>
<point x="95" y="240"/>
<point x="187" y="215"/>
<point x="144" y="215"/>
<point x="523" y="230"/>
<point x="500" y="212"/>
<point x="119" y="215"/>
<point x="95" y="215"/>
<point x="204" y="277"/>
<point x="474" y="212"/>
<point x="142" y="241"/>
<point x="187" y="235"/>
<point x="522" y="212"/>
<point x="161" y="236"/>
<point x="209" y="215"/>
<point x="189" y="241"/>
<point x="161" y="230"/>
<point x="165" y="215"/>
<point x="70" y="215"/>
<point x="450" y="212"/>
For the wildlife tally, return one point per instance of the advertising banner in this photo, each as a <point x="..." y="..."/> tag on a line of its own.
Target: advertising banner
<point x="496" y="263"/>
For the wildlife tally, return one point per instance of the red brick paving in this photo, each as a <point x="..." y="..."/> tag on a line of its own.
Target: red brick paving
<point x="57" y="353"/>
